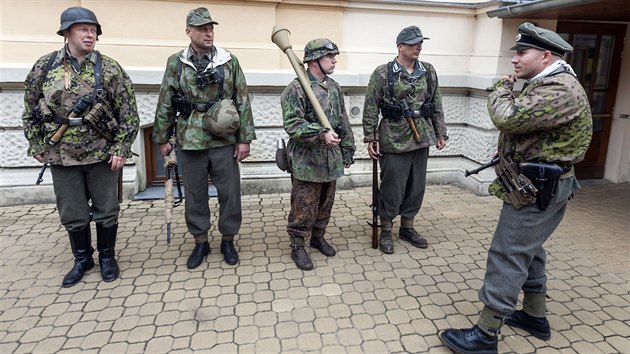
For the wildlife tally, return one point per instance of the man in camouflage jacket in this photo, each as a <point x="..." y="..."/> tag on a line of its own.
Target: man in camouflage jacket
<point x="406" y="81"/>
<point x="317" y="155"/>
<point x="549" y="122"/>
<point x="85" y="164"/>
<point x="202" y="75"/>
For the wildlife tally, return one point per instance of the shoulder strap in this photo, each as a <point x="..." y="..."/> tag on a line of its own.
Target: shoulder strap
<point x="390" y="79"/>
<point x="429" y="83"/>
<point x="98" y="85"/>
<point x="51" y="60"/>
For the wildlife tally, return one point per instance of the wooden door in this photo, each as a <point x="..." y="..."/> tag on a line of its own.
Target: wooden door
<point x="596" y="59"/>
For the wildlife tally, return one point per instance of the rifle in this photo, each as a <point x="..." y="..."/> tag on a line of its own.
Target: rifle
<point x="40" y="177"/>
<point x="120" y="185"/>
<point x="375" y="192"/>
<point x="492" y="162"/>
<point x="170" y="163"/>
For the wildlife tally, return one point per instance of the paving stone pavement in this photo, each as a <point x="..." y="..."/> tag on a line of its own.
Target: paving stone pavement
<point x="359" y="301"/>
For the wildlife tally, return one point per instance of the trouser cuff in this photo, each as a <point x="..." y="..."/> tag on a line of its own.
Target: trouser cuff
<point x="491" y="321"/>
<point x="535" y="304"/>
<point x="406" y="223"/>
<point x="227" y="237"/>
<point x="201" y="238"/>
<point x="386" y="225"/>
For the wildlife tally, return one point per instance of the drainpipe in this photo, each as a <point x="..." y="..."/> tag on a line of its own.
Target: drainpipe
<point x="530" y="7"/>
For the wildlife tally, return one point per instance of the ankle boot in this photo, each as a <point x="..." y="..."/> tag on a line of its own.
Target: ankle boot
<point x="199" y="253"/>
<point x="229" y="252"/>
<point x="299" y="255"/>
<point x="536" y="326"/>
<point x="106" y="244"/>
<point x="318" y="242"/>
<point x="81" y="244"/>
<point x="469" y="340"/>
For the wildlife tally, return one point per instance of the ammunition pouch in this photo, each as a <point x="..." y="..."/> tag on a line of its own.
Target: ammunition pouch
<point x="101" y="119"/>
<point x="518" y="188"/>
<point x="427" y="110"/>
<point x="545" y="177"/>
<point x="390" y="111"/>
<point x="182" y="106"/>
<point x="42" y="112"/>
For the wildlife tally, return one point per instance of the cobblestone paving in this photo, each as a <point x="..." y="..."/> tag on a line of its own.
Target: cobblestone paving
<point x="359" y="301"/>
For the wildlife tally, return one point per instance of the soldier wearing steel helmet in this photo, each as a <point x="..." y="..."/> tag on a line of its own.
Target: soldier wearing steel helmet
<point x="204" y="99"/>
<point x="85" y="158"/>
<point x="403" y="88"/>
<point x="547" y="126"/>
<point x="318" y="154"/>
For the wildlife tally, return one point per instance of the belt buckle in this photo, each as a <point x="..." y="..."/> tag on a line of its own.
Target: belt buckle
<point x="75" y="121"/>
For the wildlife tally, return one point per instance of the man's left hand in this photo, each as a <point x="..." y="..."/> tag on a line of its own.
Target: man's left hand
<point x="117" y="162"/>
<point x="241" y="152"/>
<point x="441" y="143"/>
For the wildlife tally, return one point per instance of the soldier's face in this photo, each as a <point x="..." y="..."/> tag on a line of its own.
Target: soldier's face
<point x="82" y="38"/>
<point x="410" y="52"/>
<point x="528" y="63"/>
<point x="327" y="63"/>
<point x="201" y="37"/>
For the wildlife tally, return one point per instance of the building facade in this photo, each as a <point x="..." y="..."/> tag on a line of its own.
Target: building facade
<point x="469" y="47"/>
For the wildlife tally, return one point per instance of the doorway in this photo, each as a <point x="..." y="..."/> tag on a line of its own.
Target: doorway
<point x="596" y="59"/>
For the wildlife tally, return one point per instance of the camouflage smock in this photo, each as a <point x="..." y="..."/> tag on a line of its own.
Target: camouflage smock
<point x="311" y="159"/>
<point x="79" y="145"/>
<point x="191" y="134"/>
<point x="549" y="121"/>
<point x="395" y="136"/>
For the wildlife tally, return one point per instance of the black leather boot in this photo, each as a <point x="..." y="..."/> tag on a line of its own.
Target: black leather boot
<point x="106" y="245"/>
<point x="412" y="236"/>
<point x="469" y="341"/>
<point x="536" y="326"/>
<point x="229" y="252"/>
<point x="385" y="243"/>
<point x="319" y="242"/>
<point x="199" y="253"/>
<point x="299" y="255"/>
<point x="81" y="244"/>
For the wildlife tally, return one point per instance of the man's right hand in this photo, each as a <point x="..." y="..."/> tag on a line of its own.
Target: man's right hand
<point x="331" y="138"/>
<point x="165" y="149"/>
<point x="39" y="157"/>
<point x="374" y="150"/>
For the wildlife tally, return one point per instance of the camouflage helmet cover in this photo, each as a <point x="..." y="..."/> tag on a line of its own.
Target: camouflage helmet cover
<point x="77" y="14"/>
<point x="222" y="119"/>
<point x="318" y="48"/>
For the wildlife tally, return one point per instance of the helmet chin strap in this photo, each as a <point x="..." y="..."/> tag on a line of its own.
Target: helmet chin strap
<point x="320" y="68"/>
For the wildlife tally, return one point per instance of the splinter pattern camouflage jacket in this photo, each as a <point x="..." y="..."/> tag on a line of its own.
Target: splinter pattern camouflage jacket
<point x="191" y="134"/>
<point x="549" y="121"/>
<point x="311" y="159"/>
<point x="395" y="136"/>
<point x="79" y="145"/>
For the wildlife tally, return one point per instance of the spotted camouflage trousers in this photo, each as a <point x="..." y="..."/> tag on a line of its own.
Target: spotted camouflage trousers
<point x="311" y="204"/>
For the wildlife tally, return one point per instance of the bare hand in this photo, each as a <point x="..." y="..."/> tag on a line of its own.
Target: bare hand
<point x="165" y="149"/>
<point x="511" y="78"/>
<point x="441" y="143"/>
<point x="117" y="162"/>
<point x="241" y="152"/>
<point x="39" y="158"/>
<point x="331" y="138"/>
<point x="374" y="150"/>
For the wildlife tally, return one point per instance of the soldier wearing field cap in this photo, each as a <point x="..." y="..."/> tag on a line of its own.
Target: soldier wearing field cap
<point x="204" y="102"/>
<point x="403" y="88"/>
<point x="545" y="129"/>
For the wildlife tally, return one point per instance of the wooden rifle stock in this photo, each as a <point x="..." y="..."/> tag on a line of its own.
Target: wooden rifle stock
<point x="280" y="37"/>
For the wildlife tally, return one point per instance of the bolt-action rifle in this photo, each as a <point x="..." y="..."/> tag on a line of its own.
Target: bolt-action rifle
<point x="492" y="162"/>
<point x="375" y="192"/>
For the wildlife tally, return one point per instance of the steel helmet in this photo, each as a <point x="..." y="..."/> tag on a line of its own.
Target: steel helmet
<point x="222" y="119"/>
<point x="77" y="14"/>
<point x="318" y="48"/>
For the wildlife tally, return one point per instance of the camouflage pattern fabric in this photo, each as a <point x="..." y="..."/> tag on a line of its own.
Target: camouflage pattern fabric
<point x="311" y="159"/>
<point x="318" y="48"/>
<point x="549" y="121"/>
<point x="79" y="145"/>
<point x="395" y="136"/>
<point x="191" y="134"/>
<point x="311" y="206"/>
